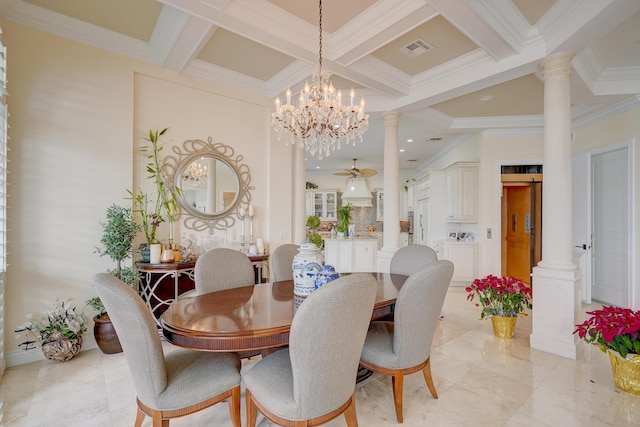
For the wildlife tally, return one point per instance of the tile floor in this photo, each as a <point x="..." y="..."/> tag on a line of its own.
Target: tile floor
<point x="481" y="381"/>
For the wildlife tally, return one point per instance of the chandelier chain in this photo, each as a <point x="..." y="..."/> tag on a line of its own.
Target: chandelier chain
<point x="320" y="43"/>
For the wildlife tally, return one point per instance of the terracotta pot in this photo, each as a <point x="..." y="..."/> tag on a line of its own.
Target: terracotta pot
<point x="105" y="335"/>
<point x="503" y="327"/>
<point x="626" y="372"/>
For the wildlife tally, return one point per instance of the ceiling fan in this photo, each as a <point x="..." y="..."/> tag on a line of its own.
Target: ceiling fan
<point x="354" y="172"/>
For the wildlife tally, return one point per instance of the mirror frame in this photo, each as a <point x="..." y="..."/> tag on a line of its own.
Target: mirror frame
<point x="193" y="149"/>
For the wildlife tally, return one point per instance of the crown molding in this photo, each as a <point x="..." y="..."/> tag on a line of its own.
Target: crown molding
<point x="607" y="112"/>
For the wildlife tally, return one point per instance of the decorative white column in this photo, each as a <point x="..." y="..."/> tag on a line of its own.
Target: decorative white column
<point x="391" y="226"/>
<point x="556" y="293"/>
<point x="299" y="196"/>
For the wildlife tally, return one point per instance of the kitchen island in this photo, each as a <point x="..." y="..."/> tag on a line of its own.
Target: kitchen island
<point x="352" y="255"/>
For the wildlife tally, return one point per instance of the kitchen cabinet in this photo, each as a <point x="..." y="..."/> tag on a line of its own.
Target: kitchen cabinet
<point x="464" y="256"/>
<point x="462" y="192"/>
<point x="404" y="205"/>
<point x="364" y="255"/>
<point x="322" y="203"/>
<point x="380" y="205"/>
<point x="350" y="256"/>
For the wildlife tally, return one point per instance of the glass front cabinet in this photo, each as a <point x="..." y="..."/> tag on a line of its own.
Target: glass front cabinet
<point x="322" y="204"/>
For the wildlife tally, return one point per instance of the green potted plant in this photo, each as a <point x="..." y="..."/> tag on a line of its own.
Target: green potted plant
<point x="160" y="205"/>
<point x="344" y="218"/>
<point x="313" y="222"/>
<point x="119" y="230"/>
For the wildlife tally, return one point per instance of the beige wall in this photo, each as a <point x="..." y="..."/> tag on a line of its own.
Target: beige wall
<point x="77" y="116"/>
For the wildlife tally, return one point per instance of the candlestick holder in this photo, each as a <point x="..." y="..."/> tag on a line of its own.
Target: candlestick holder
<point x="251" y="242"/>
<point x="241" y="232"/>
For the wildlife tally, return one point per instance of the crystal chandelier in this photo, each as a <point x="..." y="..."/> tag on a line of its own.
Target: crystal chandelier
<point x="195" y="174"/>
<point x="320" y="123"/>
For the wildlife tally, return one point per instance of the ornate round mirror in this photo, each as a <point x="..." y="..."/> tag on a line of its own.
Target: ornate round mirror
<point x="209" y="186"/>
<point x="209" y="183"/>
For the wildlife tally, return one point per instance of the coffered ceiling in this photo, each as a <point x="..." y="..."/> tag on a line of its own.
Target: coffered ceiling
<point x="472" y="64"/>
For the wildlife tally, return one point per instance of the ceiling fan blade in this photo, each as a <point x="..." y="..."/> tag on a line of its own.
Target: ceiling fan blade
<point x="342" y="174"/>
<point x="366" y="173"/>
<point x="356" y="172"/>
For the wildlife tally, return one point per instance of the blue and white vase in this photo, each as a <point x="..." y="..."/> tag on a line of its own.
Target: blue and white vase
<point x="326" y="275"/>
<point x="306" y="264"/>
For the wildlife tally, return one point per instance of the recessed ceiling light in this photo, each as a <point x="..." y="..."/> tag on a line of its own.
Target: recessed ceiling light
<point x="402" y="150"/>
<point x="486" y="98"/>
<point x="409" y="141"/>
<point x="317" y="167"/>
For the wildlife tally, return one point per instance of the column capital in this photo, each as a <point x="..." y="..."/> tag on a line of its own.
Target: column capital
<point x="391" y="118"/>
<point x="557" y="64"/>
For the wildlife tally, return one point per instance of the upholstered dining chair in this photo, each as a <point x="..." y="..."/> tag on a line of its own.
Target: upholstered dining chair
<point x="409" y="259"/>
<point x="173" y="385"/>
<point x="282" y="261"/>
<point x="313" y="381"/>
<point x="403" y="346"/>
<point x="221" y="268"/>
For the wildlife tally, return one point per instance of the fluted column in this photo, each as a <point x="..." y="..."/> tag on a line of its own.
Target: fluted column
<point x="299" y="196"/>
<point x="391" y="226"/>
<point x="391" y="231"/>
<point x="556" y="294"/>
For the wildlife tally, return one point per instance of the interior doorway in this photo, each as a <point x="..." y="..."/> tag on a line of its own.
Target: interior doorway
<point x="521" y="220"/>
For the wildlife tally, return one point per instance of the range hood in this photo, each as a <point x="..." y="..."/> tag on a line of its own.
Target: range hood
<point x="357" y="193"/>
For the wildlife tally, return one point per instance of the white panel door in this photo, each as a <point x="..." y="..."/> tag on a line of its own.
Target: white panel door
<point x="610" y="227"/>
<point x="581" y="231"/>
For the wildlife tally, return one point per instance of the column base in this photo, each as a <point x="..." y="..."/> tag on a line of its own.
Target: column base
<point x="556" y="310"/>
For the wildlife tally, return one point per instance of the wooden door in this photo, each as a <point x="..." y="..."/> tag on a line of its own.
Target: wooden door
<point x="521" y="229"/>
<point x="517" y="237"/>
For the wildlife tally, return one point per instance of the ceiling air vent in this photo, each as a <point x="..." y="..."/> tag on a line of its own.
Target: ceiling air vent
<point x="416" y="48"/>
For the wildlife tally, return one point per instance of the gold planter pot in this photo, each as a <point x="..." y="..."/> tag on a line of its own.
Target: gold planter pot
<point x="503" y="327"/>
<point x="626" y="372"/>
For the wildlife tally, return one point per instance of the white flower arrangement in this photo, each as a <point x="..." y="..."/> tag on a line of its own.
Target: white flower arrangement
<point x="60" y="322"/>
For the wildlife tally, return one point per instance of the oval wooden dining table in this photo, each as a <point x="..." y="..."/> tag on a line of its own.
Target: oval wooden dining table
<point x="255" y="317"/>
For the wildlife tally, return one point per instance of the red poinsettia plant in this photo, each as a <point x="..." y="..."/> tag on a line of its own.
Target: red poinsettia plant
<point x="612" y="328"/>
<point x="500" y="296"/>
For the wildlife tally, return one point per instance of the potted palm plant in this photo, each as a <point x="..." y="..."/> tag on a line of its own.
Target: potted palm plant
<point x="117" y="243"/>
<point x="344" y="218"/>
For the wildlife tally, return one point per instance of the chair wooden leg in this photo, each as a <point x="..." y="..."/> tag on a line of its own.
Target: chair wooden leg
<point x="426" y="371"/>
<point x="234" y="406"/>
<point x="252" y="410"/>
<point x="158" y="421"/>
<point x="350" y="413"/>
<point x="397" y="381"/>
<point x="139" y="418"/>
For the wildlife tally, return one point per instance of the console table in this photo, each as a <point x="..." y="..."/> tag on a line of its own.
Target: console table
<point x="161" y="284"/>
